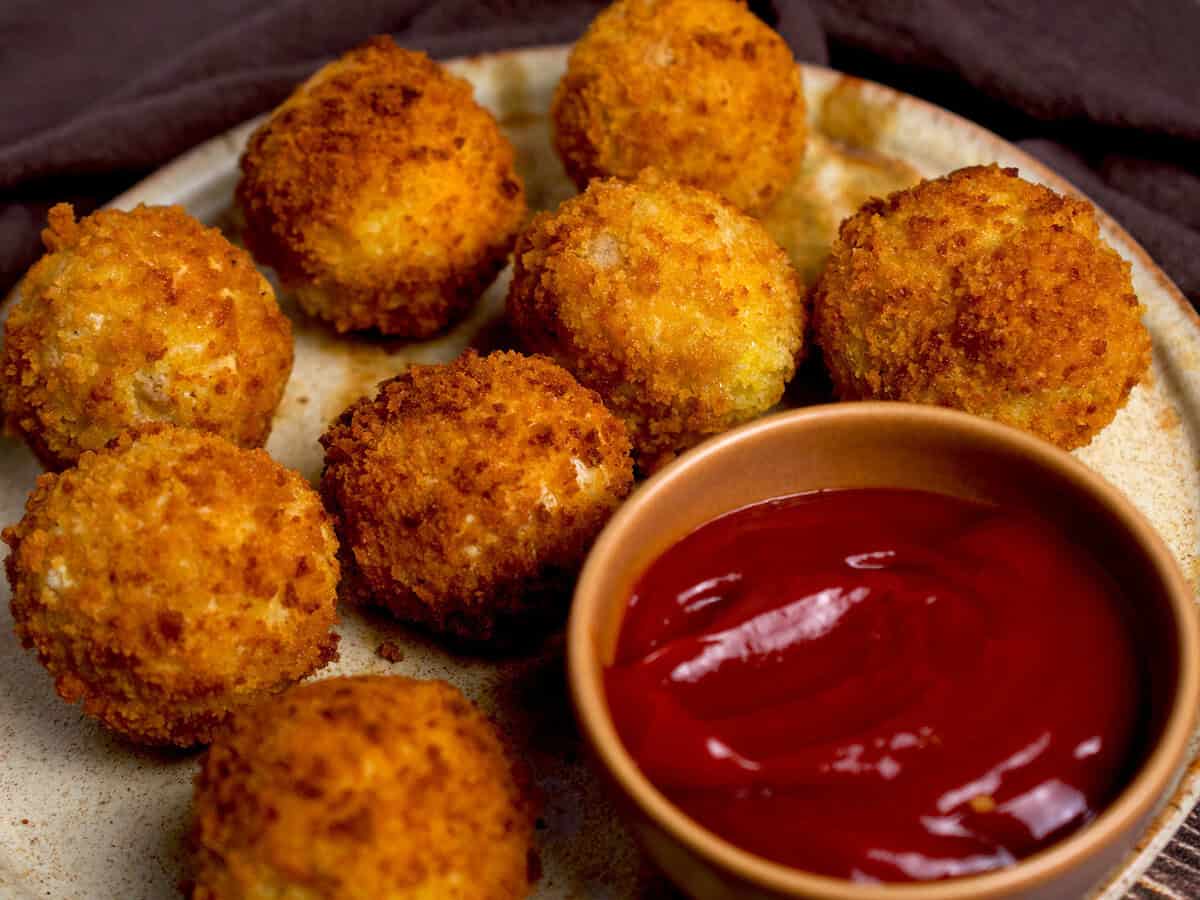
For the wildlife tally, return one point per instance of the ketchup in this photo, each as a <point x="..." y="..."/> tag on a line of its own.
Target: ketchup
<point x="878" y="684"/>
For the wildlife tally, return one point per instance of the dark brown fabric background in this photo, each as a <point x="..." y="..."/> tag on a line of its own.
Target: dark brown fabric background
<point x="94" y="94"/>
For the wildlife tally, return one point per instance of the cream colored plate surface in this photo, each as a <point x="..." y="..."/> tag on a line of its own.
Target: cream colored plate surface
<point x="83" y="815"/>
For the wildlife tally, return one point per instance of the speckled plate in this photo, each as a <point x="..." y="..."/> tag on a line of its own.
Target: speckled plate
<point x="83" y="815"/>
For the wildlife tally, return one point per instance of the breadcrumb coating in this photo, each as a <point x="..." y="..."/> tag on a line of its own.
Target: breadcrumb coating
<point x="679" y="310"/>
<point x="701" y="89"/>
<point x="381" y="193"/>
<point x="466" y="495"/>
<point x="138" y="317"/>
<point x="172" y="578"/>
<point x="360" y="789"/>
<point x="986" y="293"/>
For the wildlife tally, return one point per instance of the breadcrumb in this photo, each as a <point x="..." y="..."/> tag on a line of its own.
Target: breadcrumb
<point x="171" y="579"/>
<point x="466" y="495"/>
<point x="700" y="89"/>
<point x="381" y="193"/>
<point x="390" y="650"/>
<point x="138" y="317"/>
<point x="983" y="292"/>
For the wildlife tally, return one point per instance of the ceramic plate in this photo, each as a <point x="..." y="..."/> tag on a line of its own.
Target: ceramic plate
<point x="83" y="815"/>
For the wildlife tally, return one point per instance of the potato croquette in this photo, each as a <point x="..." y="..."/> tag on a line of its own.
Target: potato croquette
<point x="466" y="495"/>
<point x="700" y="89"/>
<point x="382" y="194"/>
<point x="362" y="788"/>
<point x="172" y="578"/>
<point x="679" y="310"/>
<point x="138" y="317"/>
<point x="986" y="293"/>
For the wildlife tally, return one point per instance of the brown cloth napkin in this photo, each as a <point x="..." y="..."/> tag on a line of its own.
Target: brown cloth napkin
<point x="96" y="93"/>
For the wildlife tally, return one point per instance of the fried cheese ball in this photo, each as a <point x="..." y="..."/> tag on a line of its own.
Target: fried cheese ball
<point x="700" y="89"/>
<point x="171" y="579"/>
<point x="137" y="317"/>
<point x="381" y="193"/>
<point x="986" y="293"/>
<point x="363" y="788"/>
<point x="466" y="495"/>
<point x="679" y="310"/>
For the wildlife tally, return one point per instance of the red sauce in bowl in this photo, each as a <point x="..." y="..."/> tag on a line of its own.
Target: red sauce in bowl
<point x="879" y="684"/>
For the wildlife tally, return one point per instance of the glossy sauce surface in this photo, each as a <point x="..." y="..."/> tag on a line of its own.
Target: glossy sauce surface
<point x="877" y="684"/>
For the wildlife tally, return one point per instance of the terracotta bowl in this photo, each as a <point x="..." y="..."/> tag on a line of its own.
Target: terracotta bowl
<point x="890" y="445"/>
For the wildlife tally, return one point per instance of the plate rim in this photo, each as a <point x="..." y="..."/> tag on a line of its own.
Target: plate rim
<point x="181" y="173"/>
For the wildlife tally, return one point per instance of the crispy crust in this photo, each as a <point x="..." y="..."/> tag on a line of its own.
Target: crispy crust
<point x="382" y="193"/>
<point x="137" y="317"/>
<point x="466" y="495"/>
<point x="983" y="292"/>
<point x="700" y="89"/>
<point x="679" y="310"/>
<point x="172" y="578"/>
<point x="360" y="788"/>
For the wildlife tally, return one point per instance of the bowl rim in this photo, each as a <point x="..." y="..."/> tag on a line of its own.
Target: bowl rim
<point x="1144" y="790"/>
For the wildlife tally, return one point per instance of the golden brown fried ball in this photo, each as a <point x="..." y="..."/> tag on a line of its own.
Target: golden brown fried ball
<point x="364" y="788"/>
<point x="679" y="310"/>
<point x="983" y="292"/>
<point x="701" y="89"/>
<point x="172" y="578"/>
<point x="466" y="495"/>
<point x="137" y="317"/>
<point x="381" y="193"/>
